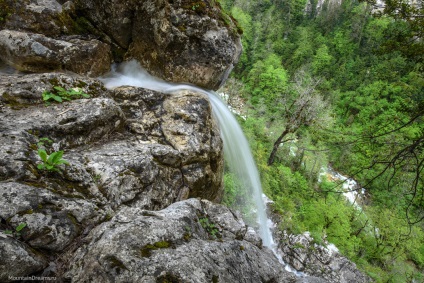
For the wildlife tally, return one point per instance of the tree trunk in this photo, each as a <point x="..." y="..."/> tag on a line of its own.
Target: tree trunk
<point x="276" y="145"/>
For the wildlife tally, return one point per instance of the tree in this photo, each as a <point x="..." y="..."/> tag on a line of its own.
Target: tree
<point x="322" y="60"/>
<point x="407" y="31"/>
<point x="306" y="109"/>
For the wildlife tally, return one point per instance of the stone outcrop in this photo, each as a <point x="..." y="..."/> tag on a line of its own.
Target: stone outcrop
<point x="179" y="41"/>
<point x="129" y="146"/>
<point x="189" y="241"/>
<point x="35" y="16"/>
<point x="320" y="263"/>
<point x="18" y="259"/>
<point x="326" y="262"/>
<point x="41" y="35"/>
<point x="38" y="53"/>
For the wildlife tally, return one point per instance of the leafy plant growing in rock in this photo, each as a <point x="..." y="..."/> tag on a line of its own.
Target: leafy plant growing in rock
<point x="209" y="227"/>
<point x="17" y="231"/>
<point x="52" y="161"/>
<point x="60" y="94"/>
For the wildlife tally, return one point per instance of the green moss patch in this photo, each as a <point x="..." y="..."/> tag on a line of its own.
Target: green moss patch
<point x="146" y="251"/>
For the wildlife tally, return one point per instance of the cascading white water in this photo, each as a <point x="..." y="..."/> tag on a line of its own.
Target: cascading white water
<point x="240" y="160"/>
<point x="236" y="147"/>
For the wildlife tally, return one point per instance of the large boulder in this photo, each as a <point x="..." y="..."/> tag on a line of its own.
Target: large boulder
<point x="38" y="53"/>
<point x="179" y="41"/>
<point x="165" y="144"/>
<point x="189" y="241"/>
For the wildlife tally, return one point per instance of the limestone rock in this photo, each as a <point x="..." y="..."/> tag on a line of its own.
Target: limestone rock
<point x="181" y="133"/>
<point x="320" y="263"/>
<point x="20" y="91"/>
<point x="304" y="255"/>
<point x="37" y="53"/>
<point x="172" y="150"/>
<point x="17" y="259"/>
<point x="179" y="41"/>
<point x="36" y="16"/>
<point x="52" y="221"/>
<point x="181" y="243"/>
<point x="127" y="147"/>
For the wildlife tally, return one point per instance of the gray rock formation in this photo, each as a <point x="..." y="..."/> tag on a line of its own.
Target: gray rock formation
<point x="189" y="241"/>
<point x="319" y="263"/>
<point x="127" y="146"/>
<point x="304" y="255"/>
<point x="38" y="53"/>
<point x="179" y="41"/>
<point x="35" y="16"/>
<point x="17" y="259"/>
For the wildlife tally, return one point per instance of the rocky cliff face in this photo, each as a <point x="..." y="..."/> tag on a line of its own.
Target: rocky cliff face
<point x="112" y="212"/>
<point x="179" y="41"/>
<point x="322" y="262"/>
<point x="127" y="147"/>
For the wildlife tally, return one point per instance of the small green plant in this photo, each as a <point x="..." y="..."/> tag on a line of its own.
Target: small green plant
<point x="209" y="227"/>
<point x="60" y="94"/>
<point x="51" y="162"/>
<point x="194" y="7"/>
<point x="42" y="142"/>
<point x="18" y="230"/>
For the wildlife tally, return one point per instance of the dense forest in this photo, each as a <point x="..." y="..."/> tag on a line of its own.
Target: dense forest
<point x="337" y="84"/>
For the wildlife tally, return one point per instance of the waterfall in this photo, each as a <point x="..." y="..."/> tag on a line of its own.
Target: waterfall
<point x="239" y="157"/>
<point x="236" y="148"/>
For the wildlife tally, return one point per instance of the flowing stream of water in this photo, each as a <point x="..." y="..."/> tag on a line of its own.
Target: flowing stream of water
<point x="236" y="148"/>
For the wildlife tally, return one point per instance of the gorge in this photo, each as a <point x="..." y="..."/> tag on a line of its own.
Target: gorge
<point x="139" y="198"/>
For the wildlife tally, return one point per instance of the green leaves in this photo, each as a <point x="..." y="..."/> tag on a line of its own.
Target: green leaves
<point x="20" y="227"/>
<point x="17" y="231"/>
<point x="48" y="95"/>
<point x="60" y="94"/>
<point x="50" y="162"/>
<point x="43" y="154"/>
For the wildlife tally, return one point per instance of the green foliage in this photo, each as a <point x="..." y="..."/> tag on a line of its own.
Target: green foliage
<point x="209" y="227"/>
<point x="60" y="94"/>
<point x="322" y="60"/>
<point x="51" y="162"/>
<point x="370" y="73"/>
<point x="18" y="229"/>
